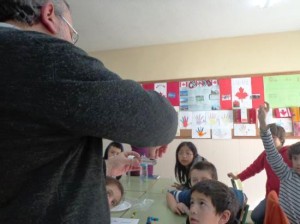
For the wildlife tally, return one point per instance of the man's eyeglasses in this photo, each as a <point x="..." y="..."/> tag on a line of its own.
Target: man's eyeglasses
<point x="74" y="33"/>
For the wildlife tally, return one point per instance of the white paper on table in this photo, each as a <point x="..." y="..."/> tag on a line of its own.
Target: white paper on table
<point x="123" y="221"/>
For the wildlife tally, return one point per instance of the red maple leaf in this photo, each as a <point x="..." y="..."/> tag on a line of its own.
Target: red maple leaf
<point x="283" y="112"/>
<point x="241" y="94"/>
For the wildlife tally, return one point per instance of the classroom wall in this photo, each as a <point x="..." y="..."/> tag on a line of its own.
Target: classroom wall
<point x="219" y="57"/>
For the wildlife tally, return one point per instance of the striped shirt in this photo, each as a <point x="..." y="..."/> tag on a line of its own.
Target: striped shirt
<point x="289" y="197"/>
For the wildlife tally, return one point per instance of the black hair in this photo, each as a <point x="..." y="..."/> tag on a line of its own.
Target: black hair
<point x="112" y="144"/>
<point x="294" y="149"/>
<point x="182" y="172"/>
<point x="222" y="197"/>
<point x="207" y="166"/>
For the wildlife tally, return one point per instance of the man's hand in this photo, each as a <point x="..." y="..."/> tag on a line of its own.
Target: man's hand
<point x="156" y="152"/>
<point x="262" y="114"/>
<point x="120" y="164"/>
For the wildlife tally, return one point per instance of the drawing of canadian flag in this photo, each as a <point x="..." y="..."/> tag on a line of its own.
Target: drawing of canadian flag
<point x="282" y="112"/>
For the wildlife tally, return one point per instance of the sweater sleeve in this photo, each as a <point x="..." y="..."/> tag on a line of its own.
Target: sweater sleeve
<point x="256" y="167"/>
<point x="273" y="156"/>
<point x="85" y="98"/>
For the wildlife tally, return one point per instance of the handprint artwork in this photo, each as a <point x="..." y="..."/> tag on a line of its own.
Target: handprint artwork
<point x="201" y="132"/>
<point x="185" y="121"/>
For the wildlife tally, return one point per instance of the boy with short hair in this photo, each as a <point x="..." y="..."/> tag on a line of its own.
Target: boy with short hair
<point x="179" y="201"/>
<point x="212" y="202"/>
<point x="114" y="190"/>
<point x="289" y="197"/>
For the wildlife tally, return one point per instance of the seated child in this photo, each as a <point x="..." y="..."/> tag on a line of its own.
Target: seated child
<point x="113" y="149"/>
<point x="114" y="190"/>
<point x="289" y="197"/>
<point x="179" y="201"/>
<point x="186" y="156"/>
<point x="212" y="202"/>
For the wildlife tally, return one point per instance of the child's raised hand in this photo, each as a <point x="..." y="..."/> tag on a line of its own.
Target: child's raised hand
<point x="262" y="114"/>
<point x="231" y="175"/>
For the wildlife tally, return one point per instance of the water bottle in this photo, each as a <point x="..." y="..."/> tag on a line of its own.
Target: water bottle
<point x="144" y="171"/>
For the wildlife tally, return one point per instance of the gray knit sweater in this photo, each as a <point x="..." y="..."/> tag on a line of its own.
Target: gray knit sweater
<point x="57" y="104"/>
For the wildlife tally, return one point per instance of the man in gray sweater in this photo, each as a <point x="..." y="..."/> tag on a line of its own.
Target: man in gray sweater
<point x="57" y="104"/>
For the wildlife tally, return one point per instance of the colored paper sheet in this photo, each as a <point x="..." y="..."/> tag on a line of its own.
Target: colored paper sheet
<point x="173" y="93"/>
<point x="225" y="94"/>
<point x="258" y="96"/>
<point x="148" y="86"/>
<point x="282" y="90"/>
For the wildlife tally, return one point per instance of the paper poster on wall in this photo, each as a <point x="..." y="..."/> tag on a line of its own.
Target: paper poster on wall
<point x="200" y="132"/>
<point x="221" y="134"/>
<point x="282" y="90"/>
<point x="221" y="119"/>
<point x="244" y="130"/>
<point x="170" y="90"/>
<point x="199" y="95"/>
<point x="286" y="123"/>
<point x="185" y="119"/>
<point x="161" y="88"/>
<point x="200" y="129"/>
<point x="241" y="92"/>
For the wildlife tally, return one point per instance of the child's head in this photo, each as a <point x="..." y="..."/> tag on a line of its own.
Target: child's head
<point x="212" y="202"/>
<point x="114" y="190"/>
<point x="203" y="170"/>
<point x="278" y="134"/>
<point x="113" y="149"/>
<point x="185" y="153"/>
<point x="294" y="155"/>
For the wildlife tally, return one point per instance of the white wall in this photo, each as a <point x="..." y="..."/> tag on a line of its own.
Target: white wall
<point x="221" y="57"/>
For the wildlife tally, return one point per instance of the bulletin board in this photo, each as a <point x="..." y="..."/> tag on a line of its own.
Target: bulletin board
<point x="226" y="107"/>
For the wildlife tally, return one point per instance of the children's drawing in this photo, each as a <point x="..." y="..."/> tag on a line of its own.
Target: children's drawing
<point x="244" y="130"/>
<point x="286" y="123"/>
<point x="221" y="133"/>
<point x="241" y="92"/>
<point x="202" y="95"/>
<point x="200" y="132"/>
<point x="185" y="119"/>
<point x="161" y="88"/>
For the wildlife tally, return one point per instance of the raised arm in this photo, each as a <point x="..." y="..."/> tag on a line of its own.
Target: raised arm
<point x="274" y="158"/>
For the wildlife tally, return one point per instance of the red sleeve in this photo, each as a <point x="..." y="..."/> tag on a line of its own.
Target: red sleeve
<point x="257" y="166"/>
<point x="284" y="152"/>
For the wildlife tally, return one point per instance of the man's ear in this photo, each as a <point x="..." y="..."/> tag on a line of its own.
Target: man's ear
<point x="224" y="217"/>
<point x="49" y="19"/>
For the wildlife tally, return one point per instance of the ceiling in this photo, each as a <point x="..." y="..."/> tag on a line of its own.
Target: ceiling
<point x="118" y="24"/>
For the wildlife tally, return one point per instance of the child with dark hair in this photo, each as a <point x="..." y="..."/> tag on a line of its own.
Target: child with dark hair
<point x="186" y="156"/>
<point x="114" y="190"/>
<point x="212" y="202"/>
<point x="289" y="197"/>
<point x="113" y="149"/>
<point x="261" y="163"/>
<point x="179" y="201"/>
